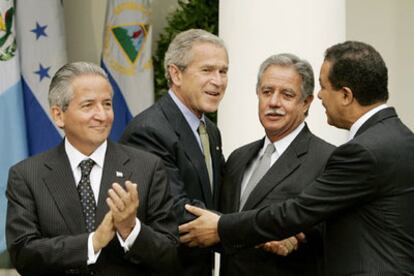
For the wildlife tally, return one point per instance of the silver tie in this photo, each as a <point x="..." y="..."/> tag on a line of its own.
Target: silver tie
<point x="262" y="167"/>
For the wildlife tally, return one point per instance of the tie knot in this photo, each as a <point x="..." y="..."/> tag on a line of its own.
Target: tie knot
<point x="86" y="166"/>
<point x="202" y="128"/>
<point x="270" y="149"/>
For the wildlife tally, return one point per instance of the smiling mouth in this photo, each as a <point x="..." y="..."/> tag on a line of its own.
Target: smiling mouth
<point x="212" y="93"/>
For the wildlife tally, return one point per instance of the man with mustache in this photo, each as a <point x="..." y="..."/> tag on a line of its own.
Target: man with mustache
<point x="177" y="130"/>
<point x="284" y="89"/>
<point x="365" y="194"/>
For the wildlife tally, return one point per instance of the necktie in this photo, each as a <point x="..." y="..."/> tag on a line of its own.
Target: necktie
<point x="262" y="167"/>
<point x="86" y="194"/>
<point x="206" y="149"/>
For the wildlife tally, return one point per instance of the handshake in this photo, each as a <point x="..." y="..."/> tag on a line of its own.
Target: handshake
<point x="203" y="232"/>
<point x="123" y="206"/>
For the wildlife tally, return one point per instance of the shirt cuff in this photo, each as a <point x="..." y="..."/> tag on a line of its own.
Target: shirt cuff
<point x="92" y="257"/>
<point x="127" y="244"/>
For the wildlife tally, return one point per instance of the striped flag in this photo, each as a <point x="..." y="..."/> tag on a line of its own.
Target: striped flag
<point x="127" y="59"/>
<point x="13" y="144"/>
<point x="41" y="40"/>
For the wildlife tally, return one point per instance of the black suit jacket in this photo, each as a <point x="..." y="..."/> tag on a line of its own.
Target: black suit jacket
<point x="163" y="130"/>
<point x="296" y="168"/>
<point x="46" y="231"/>
<point x="366" y="196"/>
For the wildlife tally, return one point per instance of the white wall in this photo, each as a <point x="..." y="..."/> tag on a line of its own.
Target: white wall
<point x="253" y="33"/>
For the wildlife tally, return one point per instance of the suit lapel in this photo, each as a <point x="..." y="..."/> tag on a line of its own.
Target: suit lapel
<point x="189" y="143"/>
<point x="61" y="184"/>
<point x="288" y="162"/>
<point x="376" y="118"/>
<point x="114" y="170"/>
<point x="244" y="160"/>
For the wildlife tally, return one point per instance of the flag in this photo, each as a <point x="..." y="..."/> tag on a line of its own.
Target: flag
<point x="126" y="57"/>
<point x="41" y="44"/>
<point x="13" y="144"/>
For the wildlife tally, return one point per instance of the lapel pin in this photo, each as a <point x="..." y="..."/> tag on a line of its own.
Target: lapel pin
<point x="217" y="148"/>
<point x="119" y="174"/>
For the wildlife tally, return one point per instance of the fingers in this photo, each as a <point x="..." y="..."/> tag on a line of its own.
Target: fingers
<point x="120" y="199"/>
<point x="301" y="237"/>
<point x="195" y="210"/>
<point x="185" y="228"/>
<point x="283" y="247"/>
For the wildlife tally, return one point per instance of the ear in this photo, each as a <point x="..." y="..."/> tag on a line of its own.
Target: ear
<point x="58" y="116"/>
<point x="306" y="103"/>
<point x="175" y="74"/>
<point x="347" y="96"/>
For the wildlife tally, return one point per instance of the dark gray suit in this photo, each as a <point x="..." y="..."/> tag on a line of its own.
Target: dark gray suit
<point x="163" y="130"/>
<point x="298" y="166"/>
<point x="45" y="225"/>
<point x="366" y="196"/>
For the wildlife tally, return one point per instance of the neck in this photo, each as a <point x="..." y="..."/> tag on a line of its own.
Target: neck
<point x="360" y="110"/>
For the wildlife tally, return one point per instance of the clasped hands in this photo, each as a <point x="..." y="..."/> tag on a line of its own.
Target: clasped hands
<point x="203" y="232"/>
<point x="123" y="205"/>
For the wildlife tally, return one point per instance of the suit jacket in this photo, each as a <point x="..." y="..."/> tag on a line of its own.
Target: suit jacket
<point x="46" y="231"/>
<point x="163" y="130"/>
<point x="366" y="196"/>
<point x="296" y="168"/>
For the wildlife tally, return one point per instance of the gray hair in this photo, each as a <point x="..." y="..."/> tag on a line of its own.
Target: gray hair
<point x="60" y="89"/>
<point x="301" y="66"/>
<point x="179" y="51"/>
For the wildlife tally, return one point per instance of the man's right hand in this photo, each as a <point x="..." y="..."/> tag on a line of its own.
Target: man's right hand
<point x="104" y="233"/>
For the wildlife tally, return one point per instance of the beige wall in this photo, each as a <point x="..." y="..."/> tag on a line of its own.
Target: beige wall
<point x="388" y="25"/>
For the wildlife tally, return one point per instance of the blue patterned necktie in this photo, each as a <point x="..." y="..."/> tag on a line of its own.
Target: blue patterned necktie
<point x="86" y="194"/>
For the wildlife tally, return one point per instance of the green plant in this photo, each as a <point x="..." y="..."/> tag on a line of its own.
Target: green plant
<point x="199" y="14"/>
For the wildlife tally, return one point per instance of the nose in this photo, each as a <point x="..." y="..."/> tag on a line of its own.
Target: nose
<point x="274" y="99"/>
<point x="319" y="95"/>
<point x="100" y="112"/>
<point x="218" y="79"/>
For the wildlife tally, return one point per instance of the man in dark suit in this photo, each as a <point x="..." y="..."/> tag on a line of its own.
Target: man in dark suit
<point x="196" y="65"/>
<point x="366" y="192"/>
<point x="76" y="209"/>
<point x="284" y="88"/>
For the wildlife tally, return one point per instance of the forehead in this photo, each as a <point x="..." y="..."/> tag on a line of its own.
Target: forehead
<point x="281" y="74"/>
<point x="87" y="84"/>
<point x="207" y="51"/>
<point x="325" y="69"/>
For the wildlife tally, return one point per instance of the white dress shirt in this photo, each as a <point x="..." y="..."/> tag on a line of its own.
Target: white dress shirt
<point x="358" y="123"/>
<point x="98" y="156"/>
<point x="280" y="146"/>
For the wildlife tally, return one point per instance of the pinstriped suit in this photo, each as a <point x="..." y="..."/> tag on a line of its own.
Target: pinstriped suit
<point x="163" y="130"/>
<point x="45" y="225"/>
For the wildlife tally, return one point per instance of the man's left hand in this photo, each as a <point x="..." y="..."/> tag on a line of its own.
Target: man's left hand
<point x="202" y="231"/>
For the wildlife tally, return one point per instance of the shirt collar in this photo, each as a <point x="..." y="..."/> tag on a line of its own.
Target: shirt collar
<point x="358" y="123"/>
<point x="75" y="156"/>
<point x="282" y="144"/>
<point x="189" y="116"/>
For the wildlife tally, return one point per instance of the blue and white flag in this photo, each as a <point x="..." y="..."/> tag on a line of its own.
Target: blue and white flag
<point x="41" y="44"/>
<point x="127" y="59"/>
<point x="13" y="144"/>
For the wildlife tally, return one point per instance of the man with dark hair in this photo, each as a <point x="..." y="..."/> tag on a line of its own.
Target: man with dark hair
<point x="89" y="206"/>
<point x="366" y="192"/>
<point x="176" y="129"/>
